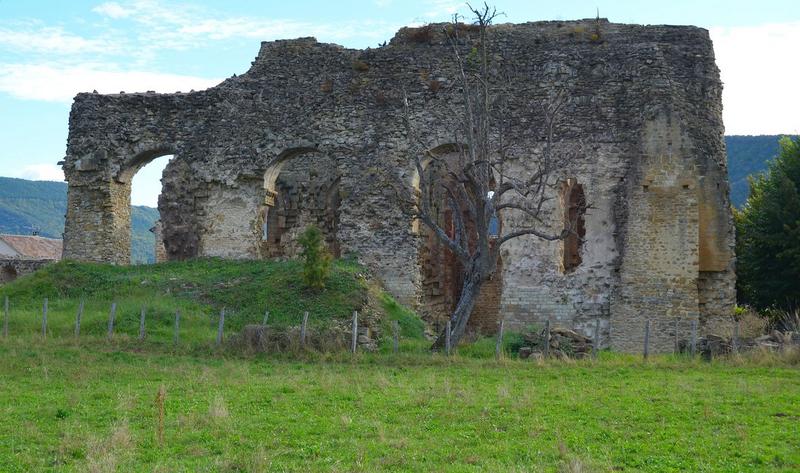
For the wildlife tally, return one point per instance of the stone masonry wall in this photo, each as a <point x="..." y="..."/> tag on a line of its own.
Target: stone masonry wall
<point x="644" y="105"/>
<point x="12" y="268"/>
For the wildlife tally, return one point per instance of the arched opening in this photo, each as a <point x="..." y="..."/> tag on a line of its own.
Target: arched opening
<point x="301" y="189"/>
<point x="441" y="272"/>
<point x="574" y="205"/>
<point x="7" y="274"/>
<point x="136" y="193"/>
<point x="147" y="244"/>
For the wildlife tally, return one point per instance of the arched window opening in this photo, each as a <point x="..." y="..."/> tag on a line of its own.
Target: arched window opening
<point x="301" y="190"/>
<point x="440" y="269"/>
<point x="7" y="274"/>
<point x="574" y="202"/>
<point x="147" y="245"/>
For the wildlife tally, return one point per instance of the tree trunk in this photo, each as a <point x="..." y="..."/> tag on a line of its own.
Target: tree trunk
<point x="466" y="302"/>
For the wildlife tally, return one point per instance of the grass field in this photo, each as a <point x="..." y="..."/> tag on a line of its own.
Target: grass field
<point x="91" y="407"/>
<point x="89" y="404"/>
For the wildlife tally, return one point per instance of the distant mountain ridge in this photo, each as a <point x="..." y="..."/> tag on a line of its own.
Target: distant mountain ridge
<point x="28" y="206"/>
<point x="39" y="206"/>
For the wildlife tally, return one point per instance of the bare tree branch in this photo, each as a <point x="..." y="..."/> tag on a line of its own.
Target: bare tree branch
<point x="485" y="175"/>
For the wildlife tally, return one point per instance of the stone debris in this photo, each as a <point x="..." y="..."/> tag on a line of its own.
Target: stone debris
<point x="256" y="338"/>
<point x="711" y="346"/>
<point x="564" y="343"/>
<point x="776" y="340"/>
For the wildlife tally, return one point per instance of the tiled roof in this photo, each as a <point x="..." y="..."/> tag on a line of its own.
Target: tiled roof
<point x="34" y="247"/>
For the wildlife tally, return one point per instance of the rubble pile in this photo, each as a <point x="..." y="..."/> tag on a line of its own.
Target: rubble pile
<point x="564" y="343"/>
<point x="711" y="346"/>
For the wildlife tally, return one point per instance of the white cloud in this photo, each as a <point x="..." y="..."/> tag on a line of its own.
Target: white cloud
<point x="443" y="10"/>
<point x="219" y="29"/>
<point x="41" y="172"/>
<point x="759" y="69"/>
<point x="114" y="59"/>
<point x="185" y="26"/>
<point x="112" y="10"/>
<point x="264" y="29"/>
<point x="51" y="40"/>
<point x="61" y="83"/>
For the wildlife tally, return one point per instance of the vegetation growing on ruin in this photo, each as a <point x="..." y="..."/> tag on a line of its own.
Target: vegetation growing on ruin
<point x="316" y="258"/>
<point x="90" y="407"/>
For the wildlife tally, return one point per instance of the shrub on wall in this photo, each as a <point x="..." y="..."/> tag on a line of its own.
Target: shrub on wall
<point x="316" y="258"/>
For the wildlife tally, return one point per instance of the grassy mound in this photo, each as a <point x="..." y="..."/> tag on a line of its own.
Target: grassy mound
<point x="199" y="289"/>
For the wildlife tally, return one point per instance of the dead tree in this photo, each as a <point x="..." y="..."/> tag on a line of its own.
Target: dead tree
<point x="477" y="177"/>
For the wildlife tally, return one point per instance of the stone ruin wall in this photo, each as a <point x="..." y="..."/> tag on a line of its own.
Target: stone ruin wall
<point x="12" y="268"/>
<point x="643" y="121"/>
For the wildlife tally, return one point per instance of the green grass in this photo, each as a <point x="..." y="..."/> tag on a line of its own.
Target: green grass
<point x="87" y="404"/>
<point x="199" y="289"/>
<point x="90" y="407"/>
<point x="409" y="323"/>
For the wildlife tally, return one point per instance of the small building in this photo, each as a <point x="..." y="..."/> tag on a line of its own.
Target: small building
<point x="22" y="254"/>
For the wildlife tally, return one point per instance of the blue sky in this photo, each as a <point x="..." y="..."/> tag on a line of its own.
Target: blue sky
<point x="50" y="50"/>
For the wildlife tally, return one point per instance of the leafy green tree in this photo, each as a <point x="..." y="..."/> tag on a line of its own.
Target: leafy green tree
<point x="768" y="234"/>
<point x="316" y="258"/>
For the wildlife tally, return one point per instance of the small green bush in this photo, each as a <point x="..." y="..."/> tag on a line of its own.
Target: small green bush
<point x="512" y="342"/>
<point x="316" y="258"/>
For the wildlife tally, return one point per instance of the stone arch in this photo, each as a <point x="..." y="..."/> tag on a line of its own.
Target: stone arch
<point x="301" y="188"/>
<point x="274" y="169"/>
<point x="126" y="176"/>
<point x="415" y="183"/>
<point x="140" y="159"/>
<point x="440" y="270"/>
<point x="111" y="138"/>
<point x="121" y="187"/>
<point x="8" y="273"/>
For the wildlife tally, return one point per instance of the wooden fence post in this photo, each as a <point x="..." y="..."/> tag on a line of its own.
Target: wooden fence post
<point x="677" y="343"/>
<point x="78" y="318"/>
<point x="354" y="341"/>
<point x="142" y="316"/>
<point x="44" y="318"/>
<point x="396" y="336"/>
<point x="693" y="346"/>
<point x="447" y="338"/>
<point x="303" y="329"/>
<point x="547" y="338"/>
<point x="221" y="326"/>
<point x="177" y="325"/>
<point x="596" y="344"/>
<point x="266" y="318"/>
<point x="646" y="339"/>
<point x="5" y="319"/>
<point x="498" y="345"/>
<point x="111" y="318"/>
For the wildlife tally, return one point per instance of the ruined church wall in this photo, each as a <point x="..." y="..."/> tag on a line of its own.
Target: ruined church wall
<point x="303" y="98"/>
